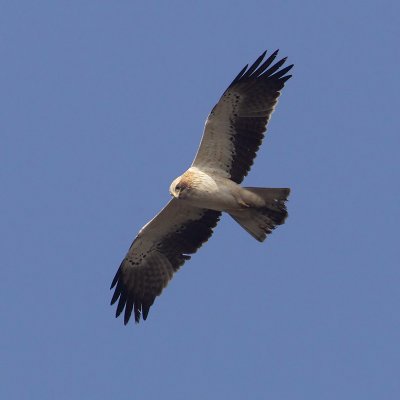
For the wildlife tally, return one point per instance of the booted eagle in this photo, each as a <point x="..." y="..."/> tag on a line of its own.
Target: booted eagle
<point x="233" y="133"/>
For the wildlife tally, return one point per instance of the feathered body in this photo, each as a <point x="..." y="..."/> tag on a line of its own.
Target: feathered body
<point x="213" y="192"/>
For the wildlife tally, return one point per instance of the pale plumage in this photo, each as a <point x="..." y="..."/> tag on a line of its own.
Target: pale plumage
<point x="233" y="133"/>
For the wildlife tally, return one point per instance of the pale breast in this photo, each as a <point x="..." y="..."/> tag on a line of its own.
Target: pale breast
<point x="211" y="192"/>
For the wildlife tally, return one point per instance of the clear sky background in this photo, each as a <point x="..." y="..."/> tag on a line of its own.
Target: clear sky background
<point x="102" y="105"/>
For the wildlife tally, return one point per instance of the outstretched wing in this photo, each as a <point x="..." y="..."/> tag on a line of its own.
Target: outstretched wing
<point x="235" y="127"/>
<point x="160" y="249"/>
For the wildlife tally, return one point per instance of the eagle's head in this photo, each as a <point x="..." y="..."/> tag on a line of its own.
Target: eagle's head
<point x="180" y="187"/>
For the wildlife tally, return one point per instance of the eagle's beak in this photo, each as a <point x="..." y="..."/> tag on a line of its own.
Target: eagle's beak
<point x="175" y="193"/>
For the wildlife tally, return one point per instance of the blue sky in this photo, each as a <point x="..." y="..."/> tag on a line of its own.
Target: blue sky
<point x="102" y="106"/>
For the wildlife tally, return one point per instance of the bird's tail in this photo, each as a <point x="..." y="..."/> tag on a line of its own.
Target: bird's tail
<point x="260" y="221"/>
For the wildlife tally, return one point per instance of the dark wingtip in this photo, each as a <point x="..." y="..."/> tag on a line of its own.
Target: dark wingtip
<point x="263" y="69"/>
<point x="117" y="293"/>
<point x="116" y="277"/>
<point x="286" y="78"/>
<point x="254" y="67"/>
<point x="128" y="311"/>
<point x="145" y="311"/>
<point x="137" y="314"/>
<point x="115" y="280"/>
<point x="121" y="305"/>
<point x="282" y="72"/>
<point x="114" y="298"/>
<point x="239" y="75"/>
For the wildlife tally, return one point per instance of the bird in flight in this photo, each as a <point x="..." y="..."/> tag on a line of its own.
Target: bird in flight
<point x="232" y="135"/>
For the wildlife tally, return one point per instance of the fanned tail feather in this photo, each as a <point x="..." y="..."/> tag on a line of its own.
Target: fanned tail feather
<point x="261" y="221"/>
